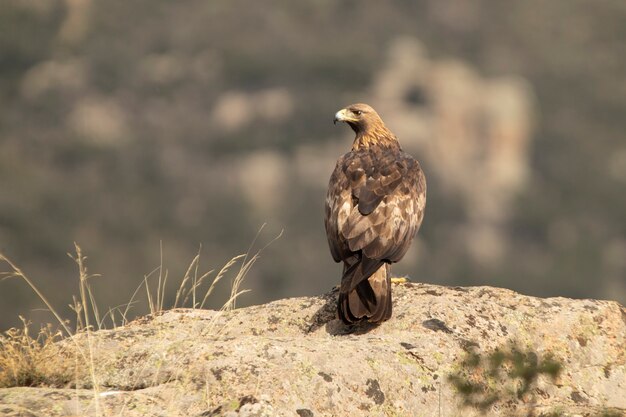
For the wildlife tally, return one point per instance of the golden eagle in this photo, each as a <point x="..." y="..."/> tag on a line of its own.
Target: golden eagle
<point x="374" y="207"/>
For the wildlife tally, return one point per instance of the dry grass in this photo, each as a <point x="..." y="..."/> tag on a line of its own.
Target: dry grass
<point x="37" y="360"/>
<point x="32" y="360"/>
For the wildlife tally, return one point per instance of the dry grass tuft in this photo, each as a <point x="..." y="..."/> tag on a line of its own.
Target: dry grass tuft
<point x="38" y="360"/>
<point x="33" y="360"/>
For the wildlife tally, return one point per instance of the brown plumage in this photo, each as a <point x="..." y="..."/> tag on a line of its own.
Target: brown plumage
<point x="374" y="207"/>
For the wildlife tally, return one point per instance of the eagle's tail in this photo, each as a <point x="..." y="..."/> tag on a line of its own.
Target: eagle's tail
<point x="365" y="292"/>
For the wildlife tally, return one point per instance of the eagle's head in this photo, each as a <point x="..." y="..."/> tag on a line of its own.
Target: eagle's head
<point x="359" y="116"/>
<point x="366" y="123"/>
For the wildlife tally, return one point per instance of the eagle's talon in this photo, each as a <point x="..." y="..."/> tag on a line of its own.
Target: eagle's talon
<point x="400" y="280"/>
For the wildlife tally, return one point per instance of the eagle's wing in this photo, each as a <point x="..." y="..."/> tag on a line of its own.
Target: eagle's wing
<point x="338" y="207"/>
<point x="375" y="204"/>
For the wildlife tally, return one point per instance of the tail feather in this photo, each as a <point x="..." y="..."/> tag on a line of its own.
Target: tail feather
<point x="360" y="271"/>
<point x="382" y="287"/>
<point x="365" y="295"/>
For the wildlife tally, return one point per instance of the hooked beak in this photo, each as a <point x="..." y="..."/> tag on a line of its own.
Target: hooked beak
<point x="342" y="116"/>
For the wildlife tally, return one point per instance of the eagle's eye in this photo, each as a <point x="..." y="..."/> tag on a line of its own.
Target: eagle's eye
<point x="358" y="112"/>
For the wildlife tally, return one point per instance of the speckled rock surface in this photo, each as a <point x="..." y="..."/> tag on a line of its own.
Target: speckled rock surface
<point x="293" y="358"/>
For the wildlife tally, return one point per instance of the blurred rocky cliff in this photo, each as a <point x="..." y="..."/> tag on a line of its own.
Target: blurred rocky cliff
<point x="124" y="125"/>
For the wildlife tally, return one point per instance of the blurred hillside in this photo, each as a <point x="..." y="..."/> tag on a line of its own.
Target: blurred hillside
<point x="125" y="124"/>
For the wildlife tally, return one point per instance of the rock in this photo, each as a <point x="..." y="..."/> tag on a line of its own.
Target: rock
<point x="293" y="358"/>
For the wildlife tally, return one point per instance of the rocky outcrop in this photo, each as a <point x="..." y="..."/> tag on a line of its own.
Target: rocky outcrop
<point x="293" y="358"/>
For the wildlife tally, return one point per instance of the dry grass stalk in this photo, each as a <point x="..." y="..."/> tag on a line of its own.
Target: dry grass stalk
<point x="27" y="360"/>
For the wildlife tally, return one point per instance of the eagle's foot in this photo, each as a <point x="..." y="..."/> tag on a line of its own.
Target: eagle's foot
<point x="400" y="280"/>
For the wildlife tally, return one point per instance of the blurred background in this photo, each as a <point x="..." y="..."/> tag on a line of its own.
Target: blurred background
<point x="127" y="125"/>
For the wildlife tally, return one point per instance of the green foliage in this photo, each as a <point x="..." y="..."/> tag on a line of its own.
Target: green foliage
<point x="508" y="373"/>
<point x="508" y="376"/>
